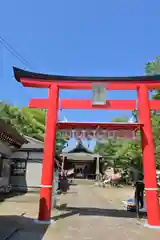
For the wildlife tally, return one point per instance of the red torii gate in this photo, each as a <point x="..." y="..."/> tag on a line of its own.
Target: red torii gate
<point x="54" y="83"/>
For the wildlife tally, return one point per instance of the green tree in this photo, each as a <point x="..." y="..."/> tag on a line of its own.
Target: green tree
<point x="120" y="119"/>
<point x="118" y="152"/>
<point x="108" y="150"/>
<point x="153" y="68"/>
<point x="30" y="122"/>
<point x="135" y="115"/>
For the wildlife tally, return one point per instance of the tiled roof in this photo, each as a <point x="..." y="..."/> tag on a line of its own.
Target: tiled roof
<point x="35" y="145"/>
<point x="9" y="134"/>
<point x="80" y="148"/>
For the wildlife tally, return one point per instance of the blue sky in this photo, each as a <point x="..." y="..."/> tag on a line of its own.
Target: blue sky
<point x="78" y="37"/>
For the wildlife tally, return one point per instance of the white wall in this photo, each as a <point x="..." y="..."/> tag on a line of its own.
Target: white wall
<point x="33" y="174"/>
<point x="34" y="169"/>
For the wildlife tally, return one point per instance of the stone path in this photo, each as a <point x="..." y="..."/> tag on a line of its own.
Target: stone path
<point x="90" y="213"/>
<point x="86" y="212"/>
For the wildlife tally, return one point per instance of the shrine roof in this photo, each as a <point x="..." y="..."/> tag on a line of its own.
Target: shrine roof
<point x="80" y="148"/>
<point x="8" y="131"/>
<point x="20" y="73"/>
<point x="33" y="144"/>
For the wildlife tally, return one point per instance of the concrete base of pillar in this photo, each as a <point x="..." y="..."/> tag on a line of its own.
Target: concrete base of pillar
<point x="151" y="226"/>
<point x="44" y="222"/>
<point x="98" y="177"/>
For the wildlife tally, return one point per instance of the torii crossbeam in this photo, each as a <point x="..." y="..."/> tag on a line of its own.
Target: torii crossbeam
<point x="54" y="83"/>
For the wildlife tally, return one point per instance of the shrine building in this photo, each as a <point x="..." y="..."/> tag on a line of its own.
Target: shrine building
<point x="82" y="159"/>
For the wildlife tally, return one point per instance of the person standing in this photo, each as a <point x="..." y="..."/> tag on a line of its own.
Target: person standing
<point x="85" y="172"/>
<point x="139" y="192"/>
<point x="139" y="186"/>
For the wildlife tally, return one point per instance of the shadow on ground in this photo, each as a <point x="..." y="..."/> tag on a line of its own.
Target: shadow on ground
<point x="73" y="184"/>
<point x="5" y="196"/>
<point x="85" y="211"/>
<point x="20" y="227"/>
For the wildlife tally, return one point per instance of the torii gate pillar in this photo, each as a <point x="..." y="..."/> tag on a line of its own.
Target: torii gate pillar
<point x="149" y="165"/>
<point x="45" y="205"/>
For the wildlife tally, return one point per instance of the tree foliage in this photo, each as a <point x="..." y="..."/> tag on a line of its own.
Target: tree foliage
<point x="153" y="68"/>
<point x="120" y="119"/>
<point x="30" y="122"/>
<point x="118" y="153"/>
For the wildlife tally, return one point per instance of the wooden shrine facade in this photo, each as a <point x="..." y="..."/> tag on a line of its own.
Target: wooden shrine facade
<point x="142" y="84"/>
<point x="84" y="162"/>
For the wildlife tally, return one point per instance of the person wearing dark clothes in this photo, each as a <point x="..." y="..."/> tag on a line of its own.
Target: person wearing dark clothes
<point x="85" y="172"/>
<point x="63" y="184"/>
<point x="139" y="193"/>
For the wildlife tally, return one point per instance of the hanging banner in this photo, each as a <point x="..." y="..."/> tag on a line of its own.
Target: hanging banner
<point x="98" y="134"/>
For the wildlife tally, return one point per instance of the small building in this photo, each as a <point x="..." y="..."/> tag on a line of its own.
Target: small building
<point x="10" y="142"/>
<point x="84" y="162"/>
<point x="27" y="166"/>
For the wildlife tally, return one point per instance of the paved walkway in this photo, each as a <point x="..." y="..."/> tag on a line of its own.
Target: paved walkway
<point x="86" y="212"/>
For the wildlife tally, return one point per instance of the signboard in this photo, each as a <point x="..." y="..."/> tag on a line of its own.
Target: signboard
<point x="98" y="134"/>
<point x="99" y="93"/>
<point x="18" y="167"/>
